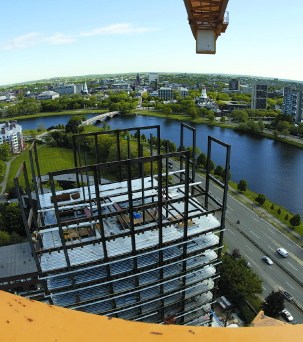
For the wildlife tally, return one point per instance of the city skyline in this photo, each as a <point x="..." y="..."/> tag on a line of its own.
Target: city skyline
<point x="39" y="41"/>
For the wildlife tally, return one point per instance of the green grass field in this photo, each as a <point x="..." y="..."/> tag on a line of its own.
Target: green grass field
<point x="50" y="159"/>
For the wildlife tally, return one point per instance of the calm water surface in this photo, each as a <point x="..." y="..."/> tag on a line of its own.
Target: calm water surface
<point x="270" y="167"/>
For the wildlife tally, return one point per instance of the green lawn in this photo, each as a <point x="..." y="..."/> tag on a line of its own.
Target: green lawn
<point x="2" y="176"/>
<point x="50" y="159"/>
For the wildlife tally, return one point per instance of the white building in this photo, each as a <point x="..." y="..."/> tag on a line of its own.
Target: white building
<point x="48" y="95"/>
<point x="11" y="133"/>
<point x="65" y="89"/>
<point x="166" y="93"/>
<point x="183" y="92"/>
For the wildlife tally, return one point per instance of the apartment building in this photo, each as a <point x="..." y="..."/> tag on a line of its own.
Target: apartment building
<point x="11" y="133"/>
<point x="293" y="103"/>
<point x="259" y="96"/>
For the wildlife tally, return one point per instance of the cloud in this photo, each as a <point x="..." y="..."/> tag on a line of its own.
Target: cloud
<point x="33" y="39"/>
<point x="23" y="42"/>
<point x="125" y="28"/>
<point x="60" y="39"/>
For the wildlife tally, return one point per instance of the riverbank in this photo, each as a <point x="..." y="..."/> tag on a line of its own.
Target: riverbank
<point x="247" y="159"/>
<point x="290" y="140"/>
<point x="45" y="114"/>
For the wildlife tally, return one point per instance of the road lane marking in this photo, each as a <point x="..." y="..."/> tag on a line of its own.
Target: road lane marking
<point x="232" y="232"/>
<point x="249" y="248"/>
<point x="254" y="218"/>
<point x="271" y="248"/>
<point x="247" y="257"/>
<point x="255" y="234"/>
<point x="289" y="285"/>
<point x="264" y="288"/>
<point x="274" y="232"/>
<point x="292" y="266"/>
<point x="230" y="208"/>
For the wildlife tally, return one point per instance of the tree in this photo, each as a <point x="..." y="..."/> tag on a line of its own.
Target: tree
<point x="211" y="165"/>
<point x="295" y="220"/>
<point x="4" y="151"/>
<point x="11" y="219"/>
<point x="219" y="171"/>
<point x="236" y="253"/>
<point x="279" y="211"/>
<point x="237" y="280"/>
<point x="242" y="185"/>
<point x="201" y="159"/>
<point x="274" y="304"/>
<point x="193" y="112"/>
<point x="239" y="115"/>
<point x="2" y="168"/>
<point x="211" y="116"/>
<point x="4" y="238"/>
<point x="276" y="134"/>
<point x="73" y="125"/>
<point x="260" y="199"/>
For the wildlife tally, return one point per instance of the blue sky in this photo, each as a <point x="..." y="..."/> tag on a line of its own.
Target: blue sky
<point x="44" y="39"/>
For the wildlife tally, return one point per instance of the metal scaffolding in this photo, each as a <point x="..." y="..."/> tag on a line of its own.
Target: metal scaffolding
<point x="144" y="245"/>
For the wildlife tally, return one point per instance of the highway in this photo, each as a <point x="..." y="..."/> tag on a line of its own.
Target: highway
<point x="254" y="238"/>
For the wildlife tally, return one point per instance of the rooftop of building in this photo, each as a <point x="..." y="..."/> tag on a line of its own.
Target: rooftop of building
<point x="16" y="260"/>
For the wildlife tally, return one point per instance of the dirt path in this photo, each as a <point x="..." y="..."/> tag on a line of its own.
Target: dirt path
<point x="4" y="182"/>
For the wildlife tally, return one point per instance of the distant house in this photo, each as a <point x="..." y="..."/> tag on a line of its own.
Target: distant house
<point x="48" y="95"/>
<point x="11" y="133"/>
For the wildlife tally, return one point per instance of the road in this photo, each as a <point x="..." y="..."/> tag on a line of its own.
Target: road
<point x="255" y="237"/>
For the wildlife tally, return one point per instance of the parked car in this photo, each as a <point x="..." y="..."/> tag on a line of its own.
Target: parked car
<point x="267" y="260"/>
<point x="282" y="252"/>
<point x="288" y="296"/>
<point x="286" y="314"/>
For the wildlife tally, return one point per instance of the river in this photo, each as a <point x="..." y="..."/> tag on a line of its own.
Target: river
<point x="270" y="167"/>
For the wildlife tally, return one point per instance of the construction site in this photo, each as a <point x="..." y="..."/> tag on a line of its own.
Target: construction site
<point x="138" y="238"/>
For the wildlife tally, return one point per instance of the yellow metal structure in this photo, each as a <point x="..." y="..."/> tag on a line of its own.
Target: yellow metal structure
<point x="27" y="320"/>
<point x="207" y="19"/>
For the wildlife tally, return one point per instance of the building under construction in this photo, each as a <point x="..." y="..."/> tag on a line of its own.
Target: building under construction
<point x="139" y="237"/>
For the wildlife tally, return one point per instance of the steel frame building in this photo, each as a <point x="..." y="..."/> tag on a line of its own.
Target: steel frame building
<point x="145" y="246"/>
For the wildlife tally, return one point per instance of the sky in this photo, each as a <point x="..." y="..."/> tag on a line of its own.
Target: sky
<point x="62" y="38"/>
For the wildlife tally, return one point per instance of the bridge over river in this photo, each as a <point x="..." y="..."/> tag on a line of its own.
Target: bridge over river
<point x="99" y="118"/>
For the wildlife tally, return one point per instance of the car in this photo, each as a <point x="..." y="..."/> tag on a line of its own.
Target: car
<point x="286" y="314"/>
<point x="288" y="296"/>
<point x="282" y="252"/>
<point x="267" y="260"/>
